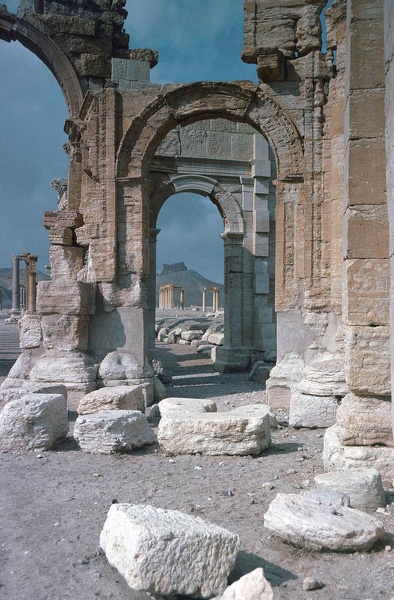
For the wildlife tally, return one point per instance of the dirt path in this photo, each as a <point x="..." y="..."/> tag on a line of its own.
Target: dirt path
<point x="53" y="508"/>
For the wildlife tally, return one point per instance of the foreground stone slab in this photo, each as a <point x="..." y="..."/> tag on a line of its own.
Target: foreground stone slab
<point x="312" y="411"/>
<point x="337" y="456"/>
<point x="168" y="552"/>
<point x="28" y="387"/>
<point x="363" y="487"/>
<point x="245" y="430"/>
<point x="252" y="586"/>
<point x="111" y="431"/>
<point x="125" y="397"/>
<point x="34" y="422"/>
<point x="183" y="405"/>
<point x="313" y="522"/>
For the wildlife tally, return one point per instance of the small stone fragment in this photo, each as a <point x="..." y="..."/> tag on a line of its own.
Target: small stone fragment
<point x="252" y="586"/>
<point x="310" y="583"/>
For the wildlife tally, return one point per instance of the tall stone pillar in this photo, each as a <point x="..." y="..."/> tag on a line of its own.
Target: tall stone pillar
<point x="16" y="305"/>
<point x="235" y="355"/>
<point x="182" y="298"/>
<point x="204" y="299"/>
<point x="31" y="275"/>
<point x="153" y="233"/>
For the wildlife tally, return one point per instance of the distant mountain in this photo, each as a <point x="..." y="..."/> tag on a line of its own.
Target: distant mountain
<point x="191" y="281"/>
<point x="6" y="284"/>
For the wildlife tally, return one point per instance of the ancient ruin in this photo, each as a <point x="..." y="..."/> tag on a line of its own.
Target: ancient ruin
<point x="301" y="169"/>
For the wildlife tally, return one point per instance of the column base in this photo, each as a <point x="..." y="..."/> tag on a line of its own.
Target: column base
<point x="231" y="360"/>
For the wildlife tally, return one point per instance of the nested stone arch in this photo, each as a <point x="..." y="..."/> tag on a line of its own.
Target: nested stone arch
<point x="242" y="102"/>
<point x="13" y="28"/>
<point x="224" y="199"/>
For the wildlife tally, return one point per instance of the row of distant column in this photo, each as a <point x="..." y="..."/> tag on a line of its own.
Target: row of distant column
<point x="24" y="296"/>
<point x="166" y="297"/>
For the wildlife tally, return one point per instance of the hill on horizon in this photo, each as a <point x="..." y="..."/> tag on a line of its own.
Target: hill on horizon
<point x="192" y="282"/>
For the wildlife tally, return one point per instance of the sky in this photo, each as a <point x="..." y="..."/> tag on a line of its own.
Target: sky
<point x="196" y="41"/>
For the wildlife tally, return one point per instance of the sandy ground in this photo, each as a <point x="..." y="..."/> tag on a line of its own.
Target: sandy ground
<point x="53" y="506"/>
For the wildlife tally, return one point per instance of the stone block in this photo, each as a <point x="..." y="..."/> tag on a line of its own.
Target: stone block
<point x="189" y="336"/>
<point x="126" y="397"/>
<point x="241" y="146"/>
<point x="65" y="332"/>
<point x="30" y="334"/>
<point x="278" y="394"/>
<point x="260" y="372"/>
<point x="252" y="586"/>
<point x="186" y="405"/>
<point x="168" y="552"/>
<point x="66" y="262"/>
<point x="65" y="298"/>
<point x="34" y="422"/>
<point x="363" y="487"/>
<point x="242" y="431"/>
<point x="367" y="365"/>
<point x="312" y="411"/>
<point x="366" y="171"/>
<point x="367" y="45"/>
<point x="216" y="338"/>
<point x="359" y="105"/>
<point x="367" y="234"/>
<point x="324" y="378"/>
<point x="20" y="388"/>
<point x="218" y="145"/>
<point x="317" y="523"/>
<point x="364" y="421"/>
<point x="112" y="431"/>
<point x="368" y="292"/>
<point x="72" y="368"/>
<point x="120" y="365"/>
<point x="338" y="457"/>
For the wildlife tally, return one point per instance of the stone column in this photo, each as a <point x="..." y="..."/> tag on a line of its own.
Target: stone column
<point x="204" y="299"/>
<point x="16" y="305"/>
<point x="153" y="233"/>
<point x="215" y="299"/>
<point x="182" y="298"/>
<point x="31" y="274"/>
<point x="22" y="296"/>
<point x="234" y="355"/>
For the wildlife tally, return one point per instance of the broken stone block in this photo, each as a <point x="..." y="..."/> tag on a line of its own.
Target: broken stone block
<point x="185" y="405"/>
<point x="324" y="378"/>
<point x="121" y="365"/>
<point x="337" y="456"/>
<point x="65" y="332"/>
<point x="168" y="552"/>
<point x="312" y="411"/>
<point x="260" y="372"/>
<point x="245" y="430"/>
<point x="365" y="421"/>
<point x="28" y="387"/>
<point x="111" y="431"/>
<point x="159" y="390"/>
<point x="71" y="368"/>
<point x="252" y="586"/>
<point x="282" y="380"/>
<point x="34" y="422"/>
<point x="317" y="523"/>
<point x="363" y="487"/>
<point x="216" y="338"/>
<point x="66" y="298"/>
<point x="192" y="335"/>
<point x="125" y="397"/>
<point x="30" y="331"/>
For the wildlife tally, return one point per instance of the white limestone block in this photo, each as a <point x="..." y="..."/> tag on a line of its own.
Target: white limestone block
<point x="313" y="522"/>
<point x="244" y="430"/>
<point x="30" y="334"/>
<point x="340" y="457"/>
<point x="191" y="335"/>
<point x="252" y="586"/>
<point x="216" y="338"/>
<point x="120" y="365"/>
<point x="324" y="378"/>
<point x="365" y="421"/>
<point x="186" y="405"/>
<point x="33" y="422"/>
<point x="111" y="431"/>
<point x="28" y="387"/>
<point x="312" y="411"/>
<point x="125" y="397"/>
<point x="168" y="552"/>
<point x="363" y="486"/>
<point x="71" y="368"/>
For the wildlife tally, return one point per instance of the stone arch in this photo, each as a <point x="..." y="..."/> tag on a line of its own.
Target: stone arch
<point x="14" y="29"/>
<point x="223" y="199"/>
<point x="243" y="101"/>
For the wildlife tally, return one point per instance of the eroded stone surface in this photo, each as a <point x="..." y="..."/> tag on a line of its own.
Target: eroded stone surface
<point x="111" y="431"/>
<point x="363" y="486"/>
<point x="113" y="398"/>
<point x="244" y="430"/>
<point x="34" y="422"/>
<point x="186" y="405"/>
<point x="309" y="521"/>
<point x="365" y="421"/>
<point x="312" y="411"/>
<point x="252" y="586"/>
<point x="168" y="552"/>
